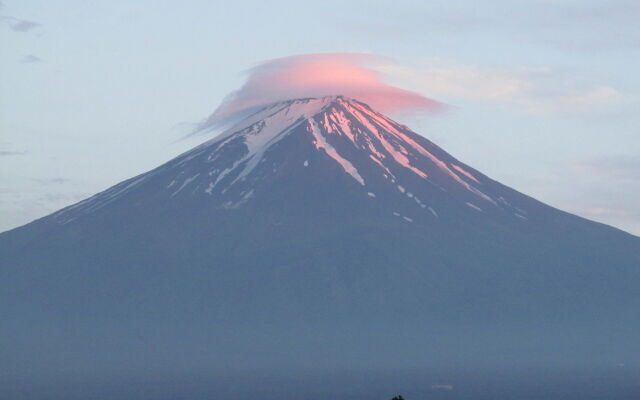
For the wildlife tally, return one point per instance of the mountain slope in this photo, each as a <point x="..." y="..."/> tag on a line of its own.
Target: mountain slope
<point x="322" y="226"/>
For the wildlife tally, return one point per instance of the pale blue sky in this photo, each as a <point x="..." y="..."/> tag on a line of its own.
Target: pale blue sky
<point x="544" y="95"/>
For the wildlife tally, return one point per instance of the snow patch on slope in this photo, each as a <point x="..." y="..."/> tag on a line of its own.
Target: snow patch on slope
<point x="363" y="114"/>
<point x="465" y="172"/>
<point x="185" y="184"/>
<point x="321" y="143"/>
<point x="398" y="156"/>
<point x="475" y="207"/>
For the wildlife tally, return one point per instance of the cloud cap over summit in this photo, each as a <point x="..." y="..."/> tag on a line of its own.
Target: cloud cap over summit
<point x="318" y="75"/>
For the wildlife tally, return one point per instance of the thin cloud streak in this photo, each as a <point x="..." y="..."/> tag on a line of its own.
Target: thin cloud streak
<point x="51" y="181"/>
<point x="577" y="25"/>
<point x="614" y="167"/>
<point x="19" y="25"/>
<point x="7" y="153"/>
<point x="529" y="90"/>
<point x="602" y="212"/>
<point x="30" y="59"/>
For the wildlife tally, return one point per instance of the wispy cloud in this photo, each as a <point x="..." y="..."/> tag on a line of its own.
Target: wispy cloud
<point x="609" y="189"/>
<point x="51" y="181"/>
<point x="19" y="25"/>
<point x="568" y="24"/>
<point x="61" y="198"/>
<point x="18" y="207"/>
<point x="7" y="153"/>
<point x="621" y="213"/>
<point x="624" y="167"/>
<point x="603" y="212"/>
<point x="30" y="59"/>
<point x="531" y="90"/>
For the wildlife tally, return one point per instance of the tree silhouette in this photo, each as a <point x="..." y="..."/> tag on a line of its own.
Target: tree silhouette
<point x="398" y="398"/>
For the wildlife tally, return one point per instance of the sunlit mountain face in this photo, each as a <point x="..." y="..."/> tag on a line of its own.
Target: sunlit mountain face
<point x="313" y="237"/>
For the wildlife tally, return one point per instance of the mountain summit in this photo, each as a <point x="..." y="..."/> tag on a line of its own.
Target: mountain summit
<point x="313" y="234"/>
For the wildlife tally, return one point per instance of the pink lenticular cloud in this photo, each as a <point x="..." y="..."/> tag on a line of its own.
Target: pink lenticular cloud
<point x="317" y="75"/>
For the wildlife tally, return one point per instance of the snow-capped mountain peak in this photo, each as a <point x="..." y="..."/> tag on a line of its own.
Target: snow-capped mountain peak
<point x="365" y="150"/>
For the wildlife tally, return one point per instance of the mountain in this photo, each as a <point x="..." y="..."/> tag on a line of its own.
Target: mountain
<point x="313" y="235"/>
